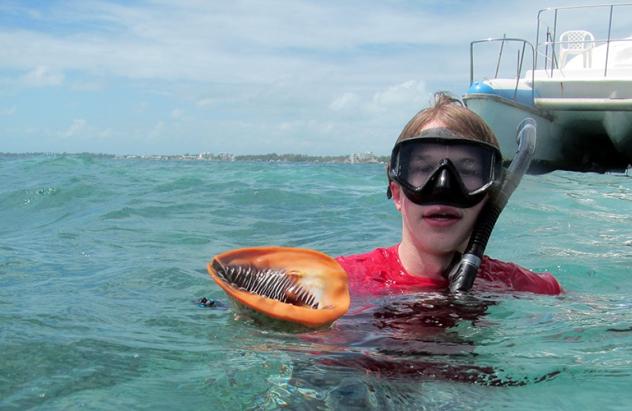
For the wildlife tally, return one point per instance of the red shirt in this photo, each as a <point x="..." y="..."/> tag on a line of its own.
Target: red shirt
<point x="380" y="272"/>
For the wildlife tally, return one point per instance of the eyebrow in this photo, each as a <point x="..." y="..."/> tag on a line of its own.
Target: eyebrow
<point x="422" y="156"/>
<point x="426" y="156"/>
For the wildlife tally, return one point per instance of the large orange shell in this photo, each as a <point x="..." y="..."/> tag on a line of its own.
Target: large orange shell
<point x="317" y="270"/>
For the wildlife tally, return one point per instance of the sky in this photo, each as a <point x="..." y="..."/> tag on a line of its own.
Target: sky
<point x="326" y="77"/>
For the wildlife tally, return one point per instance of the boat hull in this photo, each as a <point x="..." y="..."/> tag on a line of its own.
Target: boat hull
<point x="618" y="125"/>
<point x="587" y="140"/>
<point x="504" y="116"/>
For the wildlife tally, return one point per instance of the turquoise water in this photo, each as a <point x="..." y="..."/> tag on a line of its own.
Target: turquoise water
<point x="102" y="261"/>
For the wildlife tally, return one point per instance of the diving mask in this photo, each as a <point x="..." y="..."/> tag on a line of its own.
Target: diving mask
<point x="438" y="167"/>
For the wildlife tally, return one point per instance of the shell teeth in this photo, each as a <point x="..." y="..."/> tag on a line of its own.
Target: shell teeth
<point x="276" y="284"/>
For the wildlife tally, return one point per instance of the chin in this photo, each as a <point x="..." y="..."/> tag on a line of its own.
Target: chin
<point x="445" y="244"/>
<point x="442" y="247"/>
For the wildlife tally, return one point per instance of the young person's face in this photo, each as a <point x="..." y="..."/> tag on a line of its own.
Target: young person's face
<point x="436" y="229"/>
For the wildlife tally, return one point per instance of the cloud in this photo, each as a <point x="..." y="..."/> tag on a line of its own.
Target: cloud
<point x="87" y="86"/>
<point x="76" y="128"/>
<point x="7" y="111"/>
<point x="408" y="93"/>
<point x="204" y="102"/>
<point x="105" y="134"/>
<point x="43" y="76"/>
<point x="344" y="101"/>
<point x="340" y="75"/>
<point x="245" y="41"/>
<point x="286" y="126"/>
<point x="176" y="113"/>
<point x="307" y="125"/>
<point x="157" y="130"/>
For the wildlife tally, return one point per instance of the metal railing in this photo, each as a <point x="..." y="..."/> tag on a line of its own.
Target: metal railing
<point x="519" y="63"/>
<point x="548" y="48"/>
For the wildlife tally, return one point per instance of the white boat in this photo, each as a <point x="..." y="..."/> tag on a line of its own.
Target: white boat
<point x="578" y="88"/>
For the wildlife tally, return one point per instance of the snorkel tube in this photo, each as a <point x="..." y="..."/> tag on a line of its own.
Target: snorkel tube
<point x="463" y="273"/>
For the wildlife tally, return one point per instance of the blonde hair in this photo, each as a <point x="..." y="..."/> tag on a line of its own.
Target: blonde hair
<point x="452" y="112"/>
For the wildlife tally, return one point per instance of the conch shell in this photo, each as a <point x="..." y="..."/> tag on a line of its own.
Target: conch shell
<point x="297" y="285"/>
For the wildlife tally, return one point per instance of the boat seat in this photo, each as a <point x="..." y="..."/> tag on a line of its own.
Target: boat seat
<point x="576" y="42"/>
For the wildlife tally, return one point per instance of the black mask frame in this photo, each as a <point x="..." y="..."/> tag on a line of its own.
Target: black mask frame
<point x="445" y="185"/>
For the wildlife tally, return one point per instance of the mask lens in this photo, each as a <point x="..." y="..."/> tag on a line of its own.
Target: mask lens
<point x="419" y="159"/>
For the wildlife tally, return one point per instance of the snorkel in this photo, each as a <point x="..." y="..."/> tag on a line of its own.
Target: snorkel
<point x="463" y="273"/>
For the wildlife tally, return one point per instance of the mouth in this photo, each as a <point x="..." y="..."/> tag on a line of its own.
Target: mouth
<point x="442" y="214"/>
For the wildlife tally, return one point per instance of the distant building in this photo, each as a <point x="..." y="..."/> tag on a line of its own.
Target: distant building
<point x="367" y="157"/>
<point x="225" y="157"/>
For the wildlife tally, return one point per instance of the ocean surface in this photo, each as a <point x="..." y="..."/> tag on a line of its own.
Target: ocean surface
<point x="102" y="262"/>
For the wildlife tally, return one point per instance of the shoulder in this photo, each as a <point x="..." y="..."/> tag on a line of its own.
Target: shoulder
<point x="378" y="254"/>
<point x="381" y="272"/>
<point x="370" y="272"/>
<point x="495" y="274"/>
<point x="360" y="264"/>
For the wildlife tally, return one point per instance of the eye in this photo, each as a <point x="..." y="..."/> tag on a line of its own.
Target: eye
<point x="422" y="167"/>
<point x="470" y="168"/>
<point x="419" y="171"/>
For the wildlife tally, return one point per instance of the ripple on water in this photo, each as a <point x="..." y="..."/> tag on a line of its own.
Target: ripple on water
<point x="100" y="272"/>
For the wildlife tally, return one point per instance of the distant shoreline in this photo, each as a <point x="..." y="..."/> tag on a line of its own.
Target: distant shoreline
<point x="355" y="158"/>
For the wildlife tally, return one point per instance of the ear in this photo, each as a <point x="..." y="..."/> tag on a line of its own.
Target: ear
<point x="397" y="195"/>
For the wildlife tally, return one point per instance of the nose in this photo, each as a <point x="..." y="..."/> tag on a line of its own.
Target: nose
<point x="444" y="180"/>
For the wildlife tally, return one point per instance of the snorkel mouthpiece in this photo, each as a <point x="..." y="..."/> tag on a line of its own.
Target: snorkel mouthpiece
<point x="462" y="275"/>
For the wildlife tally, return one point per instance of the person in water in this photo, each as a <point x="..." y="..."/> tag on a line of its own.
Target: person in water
<point x="443" y="166"/>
